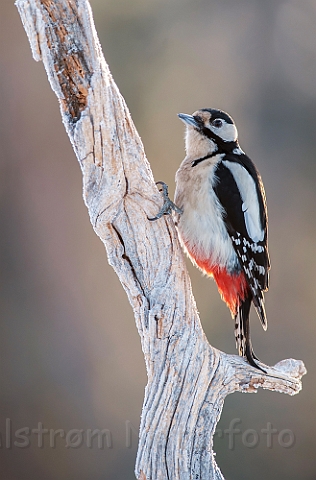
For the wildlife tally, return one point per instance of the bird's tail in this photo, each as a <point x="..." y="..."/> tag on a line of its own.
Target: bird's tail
<point x="242" y="333"/>
<point x="258" y="302"/>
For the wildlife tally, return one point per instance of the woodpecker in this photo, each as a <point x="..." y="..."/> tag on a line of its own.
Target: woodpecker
<point x="221" y="219"/>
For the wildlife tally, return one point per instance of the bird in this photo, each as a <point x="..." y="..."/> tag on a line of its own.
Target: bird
<point x="221" y="218"/>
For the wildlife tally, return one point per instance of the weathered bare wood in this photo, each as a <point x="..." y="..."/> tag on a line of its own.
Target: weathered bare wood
<point x="188" y="380"/>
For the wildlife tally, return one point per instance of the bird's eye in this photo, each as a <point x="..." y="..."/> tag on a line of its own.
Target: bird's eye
<point x="217" y="123"/>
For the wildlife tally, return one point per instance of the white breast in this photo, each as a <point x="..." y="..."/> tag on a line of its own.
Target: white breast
<point x="201" y="226"/>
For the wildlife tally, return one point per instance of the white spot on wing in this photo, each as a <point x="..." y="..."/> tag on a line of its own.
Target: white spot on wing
<point x="250" y="206"/>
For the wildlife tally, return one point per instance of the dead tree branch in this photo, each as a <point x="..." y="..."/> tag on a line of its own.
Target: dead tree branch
<point x="188" y="379"/>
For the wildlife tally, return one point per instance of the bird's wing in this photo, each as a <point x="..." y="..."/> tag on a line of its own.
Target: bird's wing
<point x="241" y="195"/>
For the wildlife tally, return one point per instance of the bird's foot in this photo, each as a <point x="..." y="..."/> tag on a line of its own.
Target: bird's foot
<point x="168" y="205"/>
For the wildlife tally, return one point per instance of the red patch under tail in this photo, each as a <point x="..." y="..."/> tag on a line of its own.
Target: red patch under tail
<point x="232" y="288"/>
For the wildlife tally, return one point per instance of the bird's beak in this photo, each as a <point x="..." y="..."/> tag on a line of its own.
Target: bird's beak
<point x="188" y="119"/>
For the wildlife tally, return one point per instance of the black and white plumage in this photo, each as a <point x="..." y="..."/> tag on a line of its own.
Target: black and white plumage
<point x="239" y="190"/>
<point x="223" y="227"/>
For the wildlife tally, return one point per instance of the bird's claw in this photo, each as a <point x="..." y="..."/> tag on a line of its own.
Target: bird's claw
<point x="168" y="205"/>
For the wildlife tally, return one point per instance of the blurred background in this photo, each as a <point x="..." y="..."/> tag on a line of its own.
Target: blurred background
<point x="71" y="359"/>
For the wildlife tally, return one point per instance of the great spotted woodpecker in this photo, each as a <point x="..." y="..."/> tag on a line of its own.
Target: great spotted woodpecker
<point x="222" y="217"/>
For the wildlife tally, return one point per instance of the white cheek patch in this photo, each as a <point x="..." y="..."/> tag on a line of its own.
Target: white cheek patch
<point x="248" y="193"/>
<point x="228" y="132"/>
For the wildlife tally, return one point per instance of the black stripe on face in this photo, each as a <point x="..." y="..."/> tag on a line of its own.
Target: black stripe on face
<point x="222" y="146"/>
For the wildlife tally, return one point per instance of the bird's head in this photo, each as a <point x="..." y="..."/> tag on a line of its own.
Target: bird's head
<point x="209" y="130"/>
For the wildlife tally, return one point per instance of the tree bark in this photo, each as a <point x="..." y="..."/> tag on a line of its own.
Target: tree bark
<point x="188" y="380"/>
